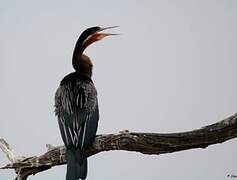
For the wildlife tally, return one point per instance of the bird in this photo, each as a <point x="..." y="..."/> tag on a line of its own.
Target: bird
<point x="76" y="105"/>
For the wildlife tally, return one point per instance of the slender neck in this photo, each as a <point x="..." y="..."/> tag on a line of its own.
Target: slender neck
<point x="77" y="53"/>
<point x="79" y="61"/>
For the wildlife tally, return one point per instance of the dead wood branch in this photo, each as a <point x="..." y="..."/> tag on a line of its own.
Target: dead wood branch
<point x="146" y="143"/>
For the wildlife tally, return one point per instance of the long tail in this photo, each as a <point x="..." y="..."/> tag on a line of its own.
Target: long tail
<point x="76" y="165"/>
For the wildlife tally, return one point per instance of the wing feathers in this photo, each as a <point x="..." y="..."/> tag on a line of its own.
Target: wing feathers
<point x="75" y="104"/>
<point x="84" y="133"/>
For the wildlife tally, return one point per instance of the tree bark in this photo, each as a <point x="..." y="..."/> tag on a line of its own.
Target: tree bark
<point x="145" y="143"/>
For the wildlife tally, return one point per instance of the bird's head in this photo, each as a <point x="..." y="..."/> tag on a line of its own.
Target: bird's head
<point x="88" y="37"/>
<point x="94" y="34"/>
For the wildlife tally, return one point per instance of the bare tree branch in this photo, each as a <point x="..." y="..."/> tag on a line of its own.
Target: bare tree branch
<point x="146" y="143"/>
<point x="11" y="156"/>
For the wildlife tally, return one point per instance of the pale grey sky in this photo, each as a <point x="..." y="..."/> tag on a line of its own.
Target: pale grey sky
<point x="172" y="69"/>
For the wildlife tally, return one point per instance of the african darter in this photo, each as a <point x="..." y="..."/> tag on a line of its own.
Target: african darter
<point x="76" y="106"/>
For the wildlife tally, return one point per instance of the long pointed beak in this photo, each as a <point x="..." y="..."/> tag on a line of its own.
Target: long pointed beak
<point x="108" y="34"/>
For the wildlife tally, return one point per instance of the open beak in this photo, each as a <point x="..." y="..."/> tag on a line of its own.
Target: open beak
<point x="106" y="34"/>
<point x="111" y="27"/>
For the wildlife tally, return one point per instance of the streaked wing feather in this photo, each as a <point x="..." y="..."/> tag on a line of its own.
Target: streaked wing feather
<point x="77" y="110"/>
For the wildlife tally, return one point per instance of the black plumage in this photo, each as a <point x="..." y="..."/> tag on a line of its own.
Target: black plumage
<point x="76" y="106"/>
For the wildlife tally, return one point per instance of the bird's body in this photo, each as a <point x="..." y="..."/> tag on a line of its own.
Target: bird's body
<point x="77" y="110"/>
<point x="76" y="107"/>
